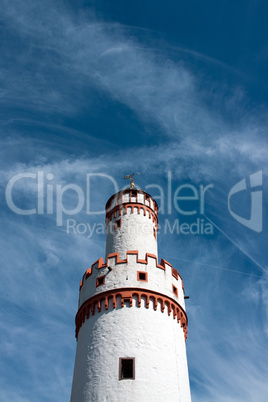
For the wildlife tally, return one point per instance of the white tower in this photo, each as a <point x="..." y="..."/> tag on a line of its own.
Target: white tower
<point x="131" y="324"/>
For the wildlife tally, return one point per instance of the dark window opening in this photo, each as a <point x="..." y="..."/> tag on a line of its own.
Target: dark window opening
<point x="117" y="224"/>
<point x="142" y="276"/>
<point x="100" y="281"/>
<point x="127" y="302"/>
<point x="126" y="368"/>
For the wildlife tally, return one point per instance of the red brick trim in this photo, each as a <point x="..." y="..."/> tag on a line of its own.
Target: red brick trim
<point x="175" y="273"/>
<point x="94" y="304"/>
<point x="99" y="262"/>
<point x="86" y="275"/>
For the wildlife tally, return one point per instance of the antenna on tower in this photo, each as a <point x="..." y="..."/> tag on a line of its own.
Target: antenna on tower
<point x="130" y="177"/>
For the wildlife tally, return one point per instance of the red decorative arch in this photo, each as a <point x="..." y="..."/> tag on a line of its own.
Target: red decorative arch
<point x="94" y="304"/>
<point x="132" y="205"/>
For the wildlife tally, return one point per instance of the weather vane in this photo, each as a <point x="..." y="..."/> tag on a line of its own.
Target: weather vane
<point x="130" y="177"/>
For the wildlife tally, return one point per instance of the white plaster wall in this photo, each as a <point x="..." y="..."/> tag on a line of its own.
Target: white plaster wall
<point x="136" y="233"/>
<point x="156" y="341"/>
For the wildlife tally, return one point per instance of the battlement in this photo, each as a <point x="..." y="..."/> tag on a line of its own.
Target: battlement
<point x="132" y="272"/>
<point x="114" y="259"/>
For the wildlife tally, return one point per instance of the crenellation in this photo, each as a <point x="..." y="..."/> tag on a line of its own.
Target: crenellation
<point x="118" y="273"/>
<point x="114" y="259"/>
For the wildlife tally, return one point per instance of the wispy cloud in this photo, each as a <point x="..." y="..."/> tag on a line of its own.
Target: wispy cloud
<point x="91" y="55"/>
<point x="56" y="65"/>
<point x="226" y="315"/>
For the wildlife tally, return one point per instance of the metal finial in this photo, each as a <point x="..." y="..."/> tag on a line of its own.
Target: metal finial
<point x="130" y="177"/>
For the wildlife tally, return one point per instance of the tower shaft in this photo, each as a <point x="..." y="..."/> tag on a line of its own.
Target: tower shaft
<point x="131" y="324"/>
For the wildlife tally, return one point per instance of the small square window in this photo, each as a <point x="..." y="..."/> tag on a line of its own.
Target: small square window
<point x="175" y="290"/>
<point x="142" y="276"/>
<point x="100" y="281"/>
<point x="126" y="368"/>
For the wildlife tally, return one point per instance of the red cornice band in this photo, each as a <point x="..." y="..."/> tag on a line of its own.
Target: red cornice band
<point x="90" y="306"/>
<point x="132" y="205"/>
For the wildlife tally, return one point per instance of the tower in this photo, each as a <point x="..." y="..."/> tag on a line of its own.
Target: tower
<point x="131" y="324"/>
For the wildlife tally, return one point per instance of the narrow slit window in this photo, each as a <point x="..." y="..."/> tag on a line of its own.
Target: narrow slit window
<point x="175" y="290"/>
<point x="142" y="276"/>
<point x="126" y="368"/>
<point x="100" y="281"/>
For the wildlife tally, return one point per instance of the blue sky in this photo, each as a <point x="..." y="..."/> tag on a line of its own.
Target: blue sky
<point x="177" y="92"/>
